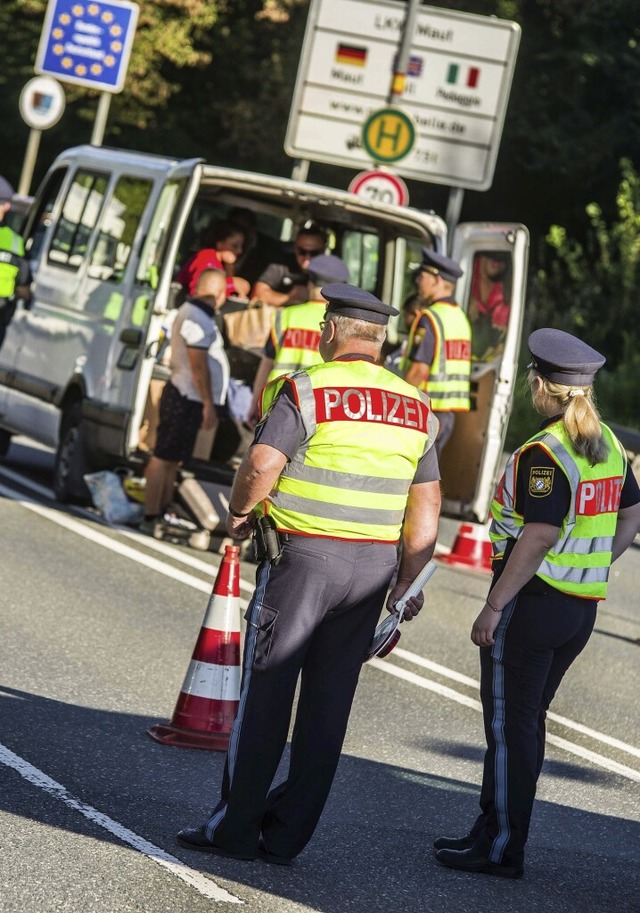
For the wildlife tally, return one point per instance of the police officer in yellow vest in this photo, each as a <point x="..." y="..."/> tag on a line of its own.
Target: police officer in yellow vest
<point x="295" y="330"/>
<point x="438" y="356"/>
<point x="566" y="507"/>
<point x="343" y="468"/>
<point x="14" y="267"/>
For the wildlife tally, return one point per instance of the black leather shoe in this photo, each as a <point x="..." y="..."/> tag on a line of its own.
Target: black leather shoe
<point x="266" y="856"/>
<point x="195" y="838"/>
<point x="470" y="861"/>
<point x="453" y="843"/>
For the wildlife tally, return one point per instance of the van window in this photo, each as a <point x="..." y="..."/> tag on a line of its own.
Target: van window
<point x="118" y="226"/>
<point x="360" y="251"/>
<point x="160" y="230"/>
<point x="79" y="215"/>
<point x="42" y="220"/>
<point x="489" y="305"/>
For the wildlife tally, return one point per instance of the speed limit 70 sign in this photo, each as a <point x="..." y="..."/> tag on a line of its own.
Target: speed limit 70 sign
<point x="380" y="187"/>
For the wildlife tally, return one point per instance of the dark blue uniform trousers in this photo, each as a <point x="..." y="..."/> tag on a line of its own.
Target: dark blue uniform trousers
<point x="312" y="617"/>
<point x="538" y="638"/>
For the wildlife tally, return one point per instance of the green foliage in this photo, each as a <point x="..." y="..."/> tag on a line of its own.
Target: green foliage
<point x="590" y="288"/>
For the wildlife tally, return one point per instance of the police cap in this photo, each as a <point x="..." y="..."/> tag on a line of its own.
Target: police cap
<point x="327" y="268"/>
<point x="6" y="190"/>
<point x="563" y="358"/>
<point x="349" y="301"/>
<point x="439" y="265"/>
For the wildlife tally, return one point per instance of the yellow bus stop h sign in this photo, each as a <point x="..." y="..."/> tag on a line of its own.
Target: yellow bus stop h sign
<point x="388" y="135"/>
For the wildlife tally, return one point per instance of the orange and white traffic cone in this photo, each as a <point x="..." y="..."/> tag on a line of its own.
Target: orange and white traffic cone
<point x="208" y="702"/>
<point x="471" y="549"/>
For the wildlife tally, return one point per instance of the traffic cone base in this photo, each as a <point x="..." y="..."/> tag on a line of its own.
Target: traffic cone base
<point x="168" y="734"/>
<point x="209" y="698"/>
<point x="471" y="549"/>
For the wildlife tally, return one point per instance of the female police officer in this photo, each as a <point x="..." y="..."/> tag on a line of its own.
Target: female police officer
<point x="566" y="507"/>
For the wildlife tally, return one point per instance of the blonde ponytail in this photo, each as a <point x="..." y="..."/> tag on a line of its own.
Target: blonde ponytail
<point x="579" y="414"/>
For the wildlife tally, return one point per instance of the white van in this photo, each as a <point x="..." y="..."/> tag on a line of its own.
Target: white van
<point x="108" y="232"/>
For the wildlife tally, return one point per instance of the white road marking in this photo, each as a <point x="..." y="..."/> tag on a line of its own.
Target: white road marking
<point x="563" y="720"/>
<point x="384" y="666"/>
<point x="193" y="879"/>
<point x="443" y="691"/>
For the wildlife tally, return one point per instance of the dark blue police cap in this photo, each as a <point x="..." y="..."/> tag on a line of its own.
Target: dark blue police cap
<point x="353" y="302"/>
<point x="6" y="190"/>
<point x="438" y="263"/>
<point x="563" y="358"/>
<point x="327" y="268"/>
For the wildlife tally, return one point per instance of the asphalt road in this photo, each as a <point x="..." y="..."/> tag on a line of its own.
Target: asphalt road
<point x="97" y="627"/>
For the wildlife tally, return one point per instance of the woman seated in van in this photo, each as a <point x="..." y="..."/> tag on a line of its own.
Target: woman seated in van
<point x="222" y="244"/>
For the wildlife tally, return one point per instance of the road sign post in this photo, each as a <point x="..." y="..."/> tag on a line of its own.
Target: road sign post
<point x="42" y="103"/>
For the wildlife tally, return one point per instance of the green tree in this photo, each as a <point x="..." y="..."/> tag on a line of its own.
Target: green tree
<point x="590" y="288"/>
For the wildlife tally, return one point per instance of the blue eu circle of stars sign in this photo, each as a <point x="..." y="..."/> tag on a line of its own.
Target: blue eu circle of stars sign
<point x="88" y="42"/>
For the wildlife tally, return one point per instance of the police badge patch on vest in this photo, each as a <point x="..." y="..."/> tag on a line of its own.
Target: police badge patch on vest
<point x="540" y="481"/>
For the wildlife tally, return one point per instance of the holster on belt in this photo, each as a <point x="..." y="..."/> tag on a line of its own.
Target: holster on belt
<point x="266" y="540"/>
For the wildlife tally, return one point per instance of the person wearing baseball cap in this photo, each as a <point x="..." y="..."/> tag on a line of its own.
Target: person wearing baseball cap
<point x="438" y="355"/>
<point x="14" y="267"/>
<point x="344" y="454"/>
<point x="567" y="506"/>
<point x="295" y="330"/>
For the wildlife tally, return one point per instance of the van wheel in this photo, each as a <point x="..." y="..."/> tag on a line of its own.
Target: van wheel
<point x="5" y="441"/>
<point x="71" y="459"/>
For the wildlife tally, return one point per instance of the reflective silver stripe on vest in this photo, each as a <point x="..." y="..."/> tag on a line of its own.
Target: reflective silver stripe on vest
<point x="444" y="377"/>
<point x="568" y="464"/>
<point x="561" y="573"/>
<point x="587" y="545"/>
<point x="441" y="373"/>
<point x="287" y="368"/>
<point x="306" y="401"/>
<point x="367" y="515"/>
<point x="347" y="480"/>
<point x="277" y="325"/>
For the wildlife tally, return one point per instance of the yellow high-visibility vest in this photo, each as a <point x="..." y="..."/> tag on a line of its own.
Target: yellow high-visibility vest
<point x="11" y="247"/>
<point x="579" y="562"/>
<point x="295" y="333"/>
<point x="448" y="384"/>
<point x="365" y="432"/>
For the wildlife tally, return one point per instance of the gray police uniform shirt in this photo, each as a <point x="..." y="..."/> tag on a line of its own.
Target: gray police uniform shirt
<point x="192" y="328"/>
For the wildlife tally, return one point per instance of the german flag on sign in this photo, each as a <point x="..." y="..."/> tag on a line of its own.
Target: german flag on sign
<point x="348" y="54"/>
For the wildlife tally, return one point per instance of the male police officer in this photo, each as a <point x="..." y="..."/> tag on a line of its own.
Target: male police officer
<point x="439" y="347"/>
<point x="295" y="330"/>
<point x="14" y="267"/>
<point x="342" y="466"/>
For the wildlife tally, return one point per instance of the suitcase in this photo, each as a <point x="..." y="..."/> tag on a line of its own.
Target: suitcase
<point x="192" y="497"/>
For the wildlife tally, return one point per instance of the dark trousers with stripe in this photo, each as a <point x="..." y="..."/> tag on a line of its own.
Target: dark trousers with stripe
<point x="538" y="638"/>
<point x="312" y="618"/>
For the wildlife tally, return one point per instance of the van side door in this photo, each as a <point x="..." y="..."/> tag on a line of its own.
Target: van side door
<point x="155" y="274"/>
<point x="492" y="292"/>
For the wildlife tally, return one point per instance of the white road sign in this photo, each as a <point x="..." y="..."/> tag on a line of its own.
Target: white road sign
<point x="457" y="87"/>
<point x="42" y="102"/>
<point x="381" y="186"/>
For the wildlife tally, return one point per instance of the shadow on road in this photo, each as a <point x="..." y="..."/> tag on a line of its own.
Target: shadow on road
<point x="372" y="851"/>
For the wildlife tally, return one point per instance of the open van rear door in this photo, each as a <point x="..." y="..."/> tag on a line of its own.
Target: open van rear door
<point x="156" y="272"/>
<point x="492" y="292"/>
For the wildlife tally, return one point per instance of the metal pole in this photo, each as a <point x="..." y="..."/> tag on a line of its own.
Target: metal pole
<point x="454" y="208"/>
<point x="100" y="121"/>
<point x="400" y="73"/>
<point x="300" y="170"/>
<point x="29" y="163"/>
